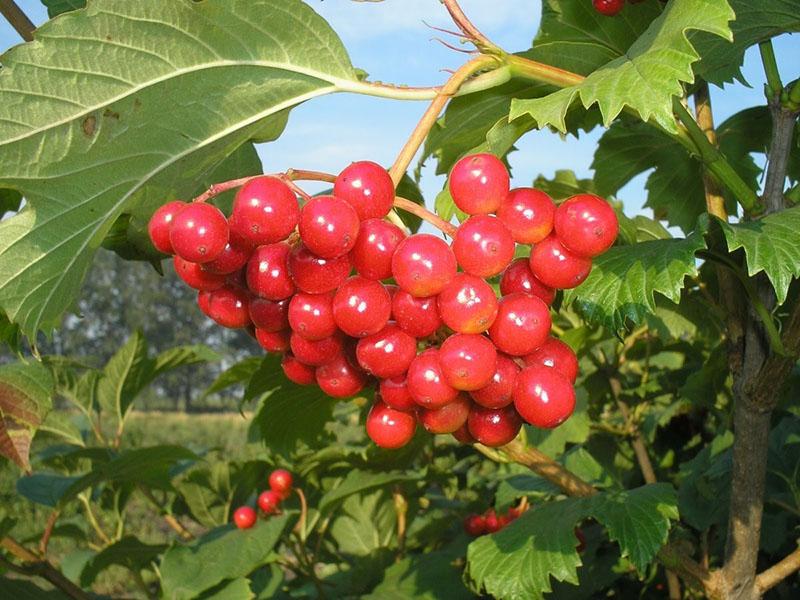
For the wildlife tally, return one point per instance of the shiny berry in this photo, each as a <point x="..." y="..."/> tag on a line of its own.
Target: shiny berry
<point x="468" y="361"/>
<point x="557" y="267"/>
<point x="244" y="517"/>
<point x="522" y="324"/>
<point x="375" y="246"/>
<point x="232" y="258"/>
<point x="586" y="225"/>
<point x="518" y="277"/>
<point x="474" y="525"/>
<point x="528" y="214"/>
<point x="463" y="436"/>
<point x="340" y="379"/>
<point x="556" y="355"/>
<point x="160" y="223"/>
<point x="483" y="246"/>
<point x="367" y="187"/>
<point x="499" y="391"/>
<point x="418" y="317"/>
<point x="311" y="315"/>
<point x="394" y="392"/>
<point x="448" y="418"/>
<point x="423" y="265"/>
<point x="280" y="482"/>
<point x="269" y="502"/>
<point x="468" y="304"/>
<point x="267" y="272"/>
<point x="265" y="211"/>
<point x="196" y="277"/>
<point x="426" y="382"/>
<point x="608" y="8"/>
<point x="228" y="306"/>
<point x="491" y="521"/>
<point x="315" y="275"/>
<point x="269" y="315"/>
<point x="543" y="396"/>
<point x="387" y="353"/>
<point x="328" y="226"/>
<point x="493" y="426"/>
<point x="273" y="341"/>
<point x="361" y="307"/>
<point x="297" y="372"/>
<point x="390" y="428"/>
<point x="478" y="183"/>
<point x="318" y="352"/>
<point x="199" y="232"/>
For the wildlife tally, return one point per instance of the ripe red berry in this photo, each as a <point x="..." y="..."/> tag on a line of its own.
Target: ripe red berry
<point x="468" y="304"/>
<point x="474" y="525"/>
<point x="244" y="517"/>
<point x="586" y="225"/>
<point x="394" y="392"/>
<point x="375" y="246"/>
<point x="196" y="277"/>
<point x="315" y="275"/>
<point x="463" y="436"/>
<point x="556" y="355"/>
<point x="478" y="183"/>
<point x="543" y="396"/>
<point x="418" y="317"/>
<point x="522" y="324"/>
<point x="390" y="428"/>
<point x="269" y="315"/>
<point x="468" y="361"/>
<point x="483" y="246"/>
<point x="273" y="341"/>
<point x="340" y="379"/>
<point x="328" y="226"/>
<point x="448" y="418"/>
<point x="367" y="187"/>
<point x="494" y="426"/>
<point x="608" y="8"/>
<point x="199" y="232"/>
<point x="491" y="521"/>
<point x="311" y="315"/>
<point x="269" y="502"/>
<point x="557" y="267"/>
<point x="423" y="265"/>
<point x="318" y="352"/>
<point x="160" y="223"/>
<point x="267" y="272"/>
<point x="387" y="353"/>
<point x="426" y="382"/>
<point x="232" y="258"/>
<point x="280" y="482"/>
<point x="361" y="307"/>
<point x="499" y="391"/>
<point x="518" y="277"/>
<point x="228" y="306"/>
<point x="297" y="372"/>
<point x="528" y="213"/>
<point x="265" y="211"/>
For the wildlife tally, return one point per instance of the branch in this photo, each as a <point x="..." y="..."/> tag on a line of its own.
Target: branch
<point x="546" y="467"/>
<point x="170" y="519"/>
<point x="471" y="32"/>
<point x="48" y="531"/>
<point x="715" y="203"/>
<point x="426" y="215"/>
<point x="778" y="572"/>
<point x="34" y="566"/>
<point x="18" y="19"/>
<point x="774" y="85"/>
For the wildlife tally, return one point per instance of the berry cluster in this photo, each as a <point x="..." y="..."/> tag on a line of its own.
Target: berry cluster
<point x="611" y="8"/>
<point x="445" y="351"/>
<point x="490" y="522"/>
<point x="269" y="501"/>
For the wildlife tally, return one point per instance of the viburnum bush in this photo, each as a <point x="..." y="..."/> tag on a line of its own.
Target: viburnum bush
<point x="615" y="395"/>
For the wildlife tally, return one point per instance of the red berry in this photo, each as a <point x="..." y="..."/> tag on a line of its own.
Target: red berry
<point x="340" y="379"/>
<point x="556" y="355"/>
<point x="273" y="341"/>
<point x="543" y="396"/>
<point x="311" y="315"/>
<point x="269" y="315"/>
<point x="265" y="211"/>
<point x="199" y="233"/>
<point x="483" y="246"/>
<point x="478" y="183"/>
<point x="375" y="246"/>
<point x="267" y="272"/>
<point x="426" y="382"/>
<point x="475" y="525"/>
<point x="493" y="426"/>
<point x="318" y="352"/>
<point x="160" y="223"/>
<point x="315" y="275"/>
<point x="518" y="277"/>
<point x="468" y="361"/>
<point x="608" y="8"/>
<point x="528" y="214"/>
<point x="204" y="301"/>
<point x="463" y="436"/>
<point x="447" y="419"/>
<point x="244" y="517"/>
<point x="586" y="225"/>
<point x="390" y="428"/>
<point x="361" y="307"/>
<point x="367" y="187"/>
<point x="269" y="502"/>
<point x="423" y="265"/>
<point x="297" y="372"/>
<point x="228" y="306"/>
<point x="394" y="392"/>
<point x="557" y="267"/>
<point x="522" y="324"/>
<point x="468" y="304"/>
<point x="499" y="391"/>
<point x="280" y="482"/>
<point x="328" y="226"/>
<point x="491" y="522"/>
<point x="387" y="353"/>
<point x="232" y="258"/>
<point x="196" y="277"/>
<point x="418" y="317"/>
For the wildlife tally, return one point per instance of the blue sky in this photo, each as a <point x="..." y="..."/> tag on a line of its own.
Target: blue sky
<point x="390" y="41"/>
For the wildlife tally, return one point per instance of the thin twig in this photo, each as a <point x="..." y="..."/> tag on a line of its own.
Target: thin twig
<point x="35" y="566"/>
<point x="472" y="33"/>
<point x="426" y="215"/>
<point x="48" y="531"/>
<point x="778" y="572"/>
<point x="170" y="519"/>
<point x="18" y="19"/>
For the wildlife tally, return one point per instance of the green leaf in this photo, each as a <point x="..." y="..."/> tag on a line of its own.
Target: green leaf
<point x="620" y="289"/>
<point x="704" y="487"/>
<point x="358" y="481"/>
<point x="84" y="153"/>
<point x="237" y="374"/>
<point x="646" y="77"/>
<point x="575" y="430"/>
<point x="124" y="376"/>
<point x="564" y="184"/>
<point x="56" y="7"/>
<point x="408" y="189"/>
<point x="128" y="552"/>
<point x="182" y="356"/>
<point x="770" y="245"/>
<point x="46" y="489"/>
<point x="61" y="424"/>
<point x="22" y="589"/>
<point x="26" y="396"/>
<point x="364" y="524"/>
<point x="222" y="553"/>
<point x="235" y="589"/>
<point x="207" y="492"/>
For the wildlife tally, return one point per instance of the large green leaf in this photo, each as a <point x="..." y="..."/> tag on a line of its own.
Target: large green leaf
<point x="646" y="77"/>
<point x="128" y="552"/>
<point x="26" y="396"/>
<point x="118" y="107"/>
<point x="364" y="524"/>
<point x="56" y="7"/>
<point x="620" y="289"/>
<point x="44" y="488"/>
<point x="222" y="553"/>
<point x="10" y="201"/>
<point x="358" y="481"/>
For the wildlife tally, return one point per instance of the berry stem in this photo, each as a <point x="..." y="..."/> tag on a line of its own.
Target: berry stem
<point x="300" y="528"/>
<point x="426" y="215"/>
<point x="472" y="33"/>
<point x="546" y="467"/>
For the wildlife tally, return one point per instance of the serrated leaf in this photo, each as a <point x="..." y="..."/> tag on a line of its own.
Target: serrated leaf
<point x="364" y="524"/>
<point x="140" y="125"/>
<point x="128" y="552"/>
<point x="358" y="481"/>
<point x="237" y="374"/>
<point x="56" y="7"/>
<point x="564" y="184"/>
<point x="124" y="375"/>
<point x="620" y="290"/>
<point x="646" y="77"/>
<point x="26" y="396"/>
<point x="222" y="553"/>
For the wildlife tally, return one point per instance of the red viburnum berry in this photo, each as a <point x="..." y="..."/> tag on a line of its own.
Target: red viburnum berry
<point x="493" y="426"/>
<point x="556" y="355"/>
<point x="374" y="248"/>
<point x="500" y="389"/>
<point x="328" y="226"/>
<point x="160" y="224"/>
<point x="418" y="317"/>
<point x="199" y="233"/>
<point x="314" y="274"/>
<point x="543" y="396"/>
<point x="265" y="211"/>
<point x="478" y="183"/>
<point x="244" y="517"/>
<point x="447" y="419"/>
<point x="483" y="246"/>
<point x="522" y="324"/>
<point x="528" y="213"/>
<point x="297" y="372"/>
<point x="387" y="353"/>
<point x="423" y="265"/>
<point x="468" y="361"/>
<point x="390" y="428"/>
<point x="468" y="304"/>
<point x="367" y="187"/>
<point x="518" y="277"/>
<point x="280" y="482"/>
<point x="586" y="225"/>
<point x="426" y="381"/>
<point x="269" y="502"/>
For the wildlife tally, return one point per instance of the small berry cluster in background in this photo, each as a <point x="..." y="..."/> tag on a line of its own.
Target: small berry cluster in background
<point x="611" y="8"/>
<point x="490" y="521"/>
<point x="269" y="501"/>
